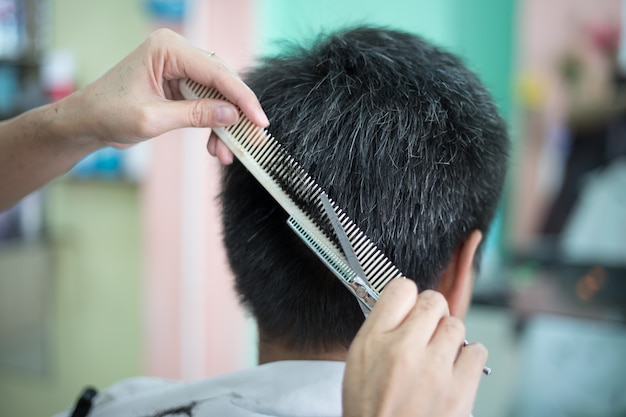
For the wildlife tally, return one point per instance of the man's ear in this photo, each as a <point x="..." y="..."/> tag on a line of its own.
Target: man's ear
<point x="457" y="280"/>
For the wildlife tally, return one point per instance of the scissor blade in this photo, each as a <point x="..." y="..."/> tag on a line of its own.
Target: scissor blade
<point x="346" y="246"/>
<point x="359" y="284"/>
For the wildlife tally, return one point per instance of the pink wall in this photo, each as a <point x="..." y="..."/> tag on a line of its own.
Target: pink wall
<point x="194" y="325"/>
<point x="545" y="30"/>
<point x="161" y="213"/>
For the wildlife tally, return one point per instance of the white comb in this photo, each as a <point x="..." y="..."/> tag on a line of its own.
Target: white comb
<point x="289" y="184"/>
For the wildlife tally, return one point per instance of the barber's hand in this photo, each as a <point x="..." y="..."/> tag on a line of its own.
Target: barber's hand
<point x="139" y="98"/>
<point x="407" y="359"/>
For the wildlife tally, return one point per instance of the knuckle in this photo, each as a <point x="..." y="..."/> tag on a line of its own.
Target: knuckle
<point x="434" y="296"/>
<point x="404" y="284"/>
<point x="162" y="34"/>
<point x="453" y="326"/>
<point x="199" y="116"/>
<point x="432" y="300"/>
<point x="145" y="120"/>
<point x="399" y="288"/>
<point x="478" y="351"/>
<point x="223" y="68"/>
<point x="160" y="38"/>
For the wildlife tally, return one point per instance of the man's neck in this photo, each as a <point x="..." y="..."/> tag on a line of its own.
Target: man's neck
<point x="272" y="351"/>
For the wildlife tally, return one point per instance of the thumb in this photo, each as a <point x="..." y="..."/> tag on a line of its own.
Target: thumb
<point x="395" y="303"/>
<point x="198" y="113"/>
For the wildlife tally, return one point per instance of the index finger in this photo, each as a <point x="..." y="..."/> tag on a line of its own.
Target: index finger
<point x="228" y="82"/>
<point x="209" y="70"/>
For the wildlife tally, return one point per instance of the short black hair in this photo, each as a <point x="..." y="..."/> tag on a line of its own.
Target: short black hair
<point x="401" y="134"/>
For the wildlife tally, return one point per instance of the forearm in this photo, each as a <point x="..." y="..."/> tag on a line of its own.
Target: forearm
<point x="39" y="145"/>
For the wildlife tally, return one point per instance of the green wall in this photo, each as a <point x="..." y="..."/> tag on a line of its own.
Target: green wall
<point x="98" y="33"/>
<point x="485" y="38"/>
<point x="304" y="18"/>
<point x="481" y="31"/>
<point x="94" y="334"/>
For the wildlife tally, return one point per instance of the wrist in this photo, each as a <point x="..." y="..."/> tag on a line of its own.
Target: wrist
<point x="68" y="126"/>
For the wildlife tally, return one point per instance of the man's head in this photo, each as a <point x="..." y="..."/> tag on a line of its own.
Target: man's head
<point x="403" y="137"/>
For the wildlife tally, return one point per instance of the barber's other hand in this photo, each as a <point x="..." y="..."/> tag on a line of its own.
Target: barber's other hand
<point x="407" y="359"/>
<point x="139" y="98"/>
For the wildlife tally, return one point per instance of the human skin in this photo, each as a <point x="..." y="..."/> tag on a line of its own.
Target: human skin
<point x="134" y="101"/>
<point x="407" y="359"/>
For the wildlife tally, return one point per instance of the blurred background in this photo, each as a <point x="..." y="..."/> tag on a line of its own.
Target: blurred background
<point x="116" y="269"/>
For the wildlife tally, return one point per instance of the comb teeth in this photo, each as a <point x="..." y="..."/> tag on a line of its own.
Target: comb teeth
<point x="293" y="188"/>
<point x="377" y="267"/>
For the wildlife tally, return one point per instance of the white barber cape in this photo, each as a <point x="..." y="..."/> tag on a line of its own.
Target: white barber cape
<point x="285" y="388"/>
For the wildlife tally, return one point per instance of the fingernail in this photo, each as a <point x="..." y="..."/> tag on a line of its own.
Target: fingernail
<point x="211" y="147"/>
<point x="226" y="115"/>
<point x="263" y="118"/>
